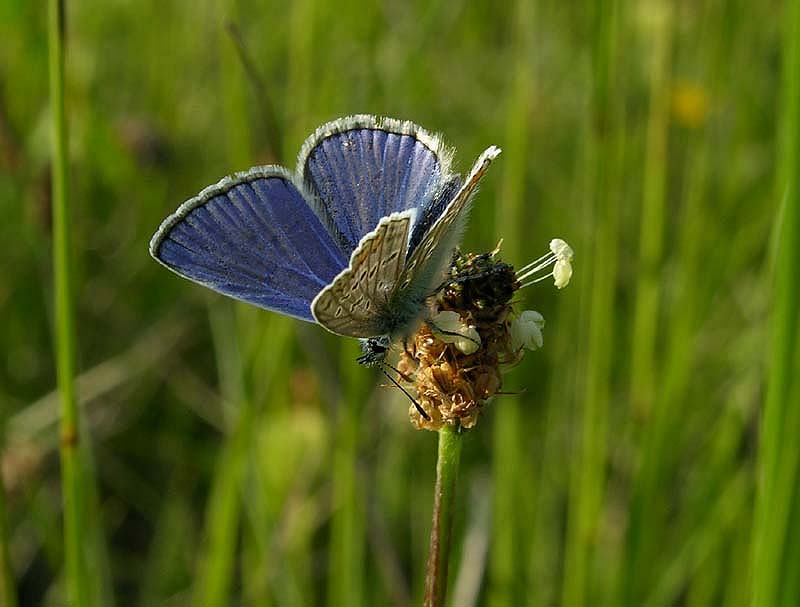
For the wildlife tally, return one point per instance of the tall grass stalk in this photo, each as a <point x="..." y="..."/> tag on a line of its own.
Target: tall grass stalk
<point x="71" y="473"/>
<point x="300" y="64"/>
<point x="658" y="520"/>
<point x="215" y="567"/>
<point x="215" y="571"/>
<point x="8" y="593"/>
<point x="646" y="404"/>
<point x="777" y="503"/>
<point x="711" y="533"/>
<point x="506" y="568"/>
<point x="346" y="582"/>
<point x="651" y="230"/>
<point x="587" y="476"/>
<point x="238" y="128"/>
<point x="447" y="464"/>
<point x="214" y="580"/>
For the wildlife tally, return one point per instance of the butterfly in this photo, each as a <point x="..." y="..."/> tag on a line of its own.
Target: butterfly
<point x="356" y="239"/>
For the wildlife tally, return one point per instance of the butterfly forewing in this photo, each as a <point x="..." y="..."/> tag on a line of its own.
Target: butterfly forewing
<point x="355" y="303"/>
<point x="253" y="237"/>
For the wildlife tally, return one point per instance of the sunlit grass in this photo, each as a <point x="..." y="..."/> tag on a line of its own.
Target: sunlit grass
<point x="604" y="142"/>
<point x="776" y="555"/>
<point x="254" y="462"/>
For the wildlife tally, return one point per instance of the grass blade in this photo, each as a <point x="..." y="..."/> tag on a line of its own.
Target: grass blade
<point x="779" y="458"/>
<point x="587" y="476"/>
<point x="8" y="593"/>
<point x="346" y="582"/>
<point x="71" y="472"/>
<point x="505" y="565"/>
<point x="651" y="232"/>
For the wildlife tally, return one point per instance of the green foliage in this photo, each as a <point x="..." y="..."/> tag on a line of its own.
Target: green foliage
<point x="242" y="458"/>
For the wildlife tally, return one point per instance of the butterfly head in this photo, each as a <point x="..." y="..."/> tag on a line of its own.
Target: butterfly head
<point x="374" y="350"/>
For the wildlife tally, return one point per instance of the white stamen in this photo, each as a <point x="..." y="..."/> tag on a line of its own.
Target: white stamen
<point x="533" y="263"/>
<point x="524" y="273"/>
<point x="560" y="258"/>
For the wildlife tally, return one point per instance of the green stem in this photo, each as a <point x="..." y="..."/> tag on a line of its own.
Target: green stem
<point x="444" y="497"/>
<point x="506" y="569"/>
<point x="216" y="569"/>
<point x="651" y="229"/>
<point x="779" y="463"/>
<point x="77" y="589"/>
<point x="605" y="141"/>
<point x="8" y="596"/>
<point x="347" y="573"/>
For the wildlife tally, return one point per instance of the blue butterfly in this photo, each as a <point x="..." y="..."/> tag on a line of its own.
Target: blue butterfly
<point x="356" y="239"/>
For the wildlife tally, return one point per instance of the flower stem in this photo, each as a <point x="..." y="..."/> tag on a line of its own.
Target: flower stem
<point x="71" y="473"/>
<point x="444" y="497"/>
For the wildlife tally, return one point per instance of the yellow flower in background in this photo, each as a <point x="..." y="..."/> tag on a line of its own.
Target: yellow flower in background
<point x="689" y="104"/>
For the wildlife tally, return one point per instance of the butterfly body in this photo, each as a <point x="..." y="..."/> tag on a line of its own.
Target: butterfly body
<point x="356" y="239"/>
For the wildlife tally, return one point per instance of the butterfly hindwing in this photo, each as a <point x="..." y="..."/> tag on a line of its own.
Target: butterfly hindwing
<point x="254" y="237"/>
<point x="356" y="303"/>
<point x="364" y="168"/>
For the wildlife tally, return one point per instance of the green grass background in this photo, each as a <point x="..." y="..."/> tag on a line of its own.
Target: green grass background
<point x="234" y="457"/>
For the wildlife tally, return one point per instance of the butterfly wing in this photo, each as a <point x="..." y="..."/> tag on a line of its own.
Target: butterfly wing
<point x="356" y="303"/>
<point x="364" y="168"/>
<point x="426" y="262"/>
<point x="254" y="237"/>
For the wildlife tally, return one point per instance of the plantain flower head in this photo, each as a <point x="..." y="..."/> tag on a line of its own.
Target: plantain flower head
<point x="455" y="362"/>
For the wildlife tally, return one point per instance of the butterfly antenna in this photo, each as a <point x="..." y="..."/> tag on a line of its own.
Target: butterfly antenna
<point x="411" y="398"/>
<point x="396" y="370"/>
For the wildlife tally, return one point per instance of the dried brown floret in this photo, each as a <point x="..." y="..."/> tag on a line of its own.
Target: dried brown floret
<point x="452" y="386"/>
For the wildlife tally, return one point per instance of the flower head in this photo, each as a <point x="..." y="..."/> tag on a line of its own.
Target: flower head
<point x="455" y="361"/>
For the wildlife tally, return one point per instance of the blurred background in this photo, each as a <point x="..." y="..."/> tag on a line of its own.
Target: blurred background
<point x="234" y="457"/>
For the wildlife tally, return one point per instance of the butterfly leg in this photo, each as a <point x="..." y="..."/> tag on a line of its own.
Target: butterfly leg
<point x="406" y="349"/>
<point x="420" y="410"/>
